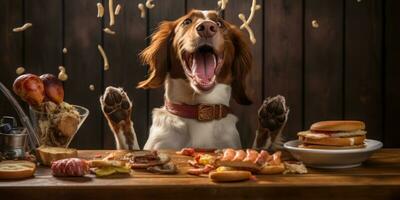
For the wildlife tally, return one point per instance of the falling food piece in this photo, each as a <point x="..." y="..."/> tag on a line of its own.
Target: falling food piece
<point x="109" y="31"/>
<point x="222" y="4"/>
<point x="65" y="50"/>
<point x="314" y="23"/>
<point x="22" y="28"/>
<point x="142" y="10"/>
<point x="150" y="4"/>
<point x="91" y="87"/>
<point x="62" y="75"/>
<point x="20" y="70"/>
<point x="111" y="11"/>
<point x="105" y="59"/>
<point x="246" y="23"/>
<point x="117" y="9"/>
<point x="100" y="10"/>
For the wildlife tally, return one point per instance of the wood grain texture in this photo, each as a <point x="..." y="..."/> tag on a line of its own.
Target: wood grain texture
<point x="363" y="71"/>
<point x="283" y="69"/>
<point x="11" y="48"/>
<point x="125" y="68"/>
<point x="84" y="66"/>
<point x="43" y="42"/>
<point x="323" y="78"/>
<point x="380" y="174"/>
<point x="168" y="10"/>
<point x="247" y="115"/>
<point x="201" y="5"/>
<point x="392" y="71"/>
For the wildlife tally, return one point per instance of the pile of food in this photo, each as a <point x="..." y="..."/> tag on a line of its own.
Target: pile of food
<point x="55" y="120"/>
<point x="334" y="135"/>
<point x="229" y="165"/>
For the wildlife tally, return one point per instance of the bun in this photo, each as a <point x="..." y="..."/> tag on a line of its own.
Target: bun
<point x="17" y="169"/>
<point x="312" y="146"/>
<point x="343" y="125"/>
<point x="333" y="141"/>
<point x="47" y="155"/>
<point x="230" y="176"/>
<point x="272" y="169"/>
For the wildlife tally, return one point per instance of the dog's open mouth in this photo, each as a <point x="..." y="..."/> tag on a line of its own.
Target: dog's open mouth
<point x="202" y="66"/>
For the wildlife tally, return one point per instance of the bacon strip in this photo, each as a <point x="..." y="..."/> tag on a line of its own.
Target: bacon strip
<point x="198" y="171"/>
<point x="251" y="156"/>
<point x="229" y="154"/>
<point x="240" y="155"/>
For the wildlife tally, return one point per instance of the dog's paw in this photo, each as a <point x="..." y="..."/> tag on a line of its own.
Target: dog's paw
<point x="116" y="104"/>
<point x="272" y="114"/>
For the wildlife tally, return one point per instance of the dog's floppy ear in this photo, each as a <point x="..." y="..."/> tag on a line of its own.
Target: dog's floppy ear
<point x="156" y="56"/>
<point x="242" y="63"/>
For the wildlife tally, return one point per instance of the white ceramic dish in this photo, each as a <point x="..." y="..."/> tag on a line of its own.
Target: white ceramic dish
<point x="332" y="159"/>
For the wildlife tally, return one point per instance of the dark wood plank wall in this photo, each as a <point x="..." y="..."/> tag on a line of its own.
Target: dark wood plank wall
<point x="346" y="68"/>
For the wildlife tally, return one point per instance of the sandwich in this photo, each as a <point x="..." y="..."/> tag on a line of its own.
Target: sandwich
<point x="334" y="135"/>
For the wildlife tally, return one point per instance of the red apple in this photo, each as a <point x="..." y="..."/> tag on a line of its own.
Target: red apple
<point x="53" y="88"/>
<point x="30" y="88"/>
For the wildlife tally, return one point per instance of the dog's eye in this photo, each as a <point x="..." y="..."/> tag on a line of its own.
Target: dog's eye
<point x="187" y="21"/>
<point x="219" y="24"/>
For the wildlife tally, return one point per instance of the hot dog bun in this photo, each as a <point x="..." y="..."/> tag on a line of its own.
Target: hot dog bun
<point x="229" y="176"/>
<point x="272" y="169"/>
<point x="17" y="169"/>
<point x="339" y="125"/>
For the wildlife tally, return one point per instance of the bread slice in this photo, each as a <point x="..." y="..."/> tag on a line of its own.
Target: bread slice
<point x="47" y="155"/>
<point x="340" y="125"/>
<point x="17" y="169"/>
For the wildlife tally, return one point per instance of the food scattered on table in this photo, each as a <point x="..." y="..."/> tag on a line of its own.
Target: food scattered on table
<point x="16" y="169"/>
<point x="242" y="163"/>
<point x="334" y="135"/>
<point x="47" y="155"/>
<point x="22" y="28"/>
<point x="62" y="75"/>
<point x="20" y="70"/>
<point x="100" y="10"/>
<point x="74" y="167"/>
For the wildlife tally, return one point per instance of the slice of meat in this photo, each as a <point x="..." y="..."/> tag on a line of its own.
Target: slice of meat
<point x="186" y="152"/>
<point x="251" y="156"/>
<point x="229" y="154"/>
<point x="262" y="157"/>
<point x="240" y="155"/>
<point x="198" y="171"/>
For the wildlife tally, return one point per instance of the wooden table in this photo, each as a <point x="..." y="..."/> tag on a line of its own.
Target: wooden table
<point x="378" y="178"/>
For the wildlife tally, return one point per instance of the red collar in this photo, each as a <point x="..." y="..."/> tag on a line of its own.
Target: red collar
<point x="201" y="112"/>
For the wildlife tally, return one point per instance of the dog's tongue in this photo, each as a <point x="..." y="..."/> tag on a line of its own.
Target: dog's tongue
<point x="204" y="65"/>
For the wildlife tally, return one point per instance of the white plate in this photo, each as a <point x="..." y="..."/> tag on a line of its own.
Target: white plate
<point x="332" y="159"/>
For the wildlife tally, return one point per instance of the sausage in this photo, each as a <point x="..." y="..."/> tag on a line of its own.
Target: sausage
<point x="70" y="167"/>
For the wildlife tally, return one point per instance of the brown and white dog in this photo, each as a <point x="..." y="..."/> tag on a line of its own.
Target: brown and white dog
<point x="202" y="61"/>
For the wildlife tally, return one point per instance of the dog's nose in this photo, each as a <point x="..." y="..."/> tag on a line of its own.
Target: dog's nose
<point x="207" y="29"/>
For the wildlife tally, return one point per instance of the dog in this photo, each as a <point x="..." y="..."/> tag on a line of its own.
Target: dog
<point x="202" y="61"/>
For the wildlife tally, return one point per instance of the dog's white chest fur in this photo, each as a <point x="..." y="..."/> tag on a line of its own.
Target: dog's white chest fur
<point x="169" y="131"/>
